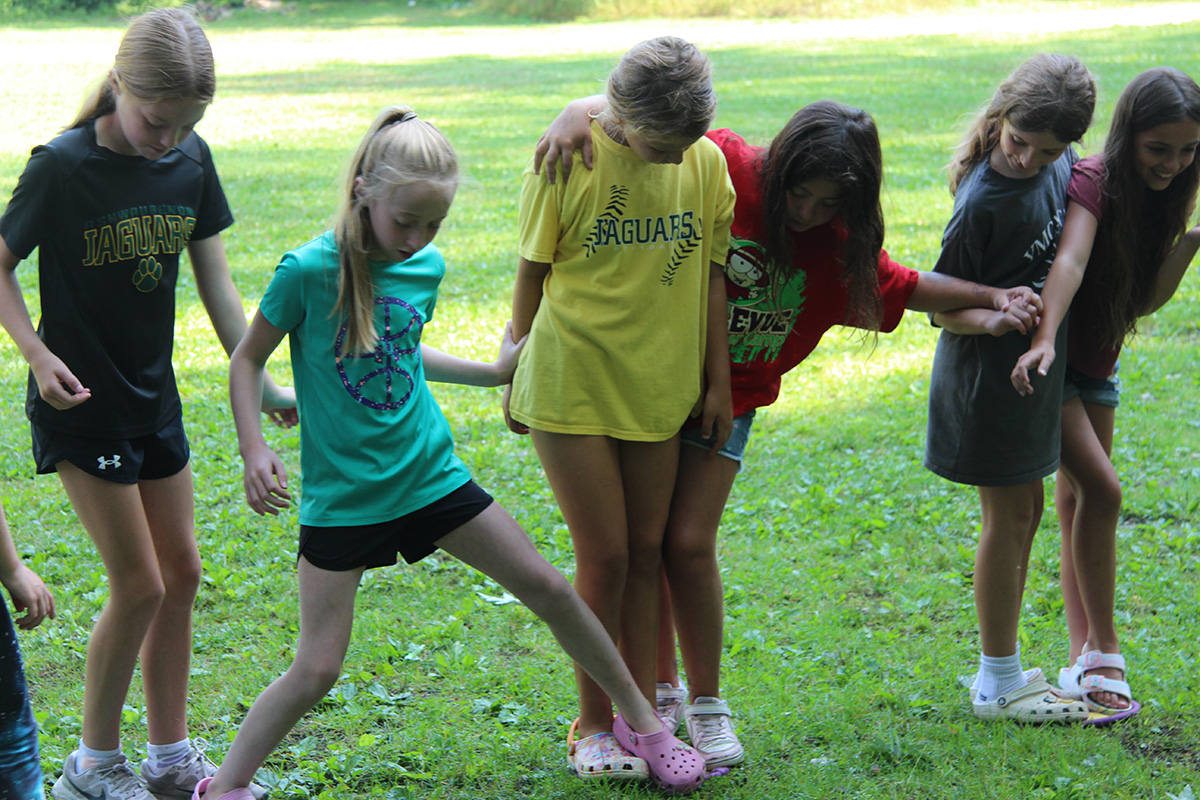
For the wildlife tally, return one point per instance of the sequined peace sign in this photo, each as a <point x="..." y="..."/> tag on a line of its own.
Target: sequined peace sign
<point x="378" y="388"/>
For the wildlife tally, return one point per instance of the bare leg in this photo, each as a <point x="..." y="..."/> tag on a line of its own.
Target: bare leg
<point x="1065" y="504"/>
<point x="113" y="515"/>
<point x="667" y="669"/>
<point x="648" y="470"/>
<point x="326" y="621"/>
<point x="495" y="544"/>
<point x="601" y="484"/>
<point x="1010" y="518"/>
<point x="701" y="489"/>
<point x="1087" y="445"/>
<point x="167" y="649"/>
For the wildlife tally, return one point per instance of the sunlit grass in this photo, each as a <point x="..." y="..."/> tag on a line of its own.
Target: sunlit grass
<point x="847" y="566"/>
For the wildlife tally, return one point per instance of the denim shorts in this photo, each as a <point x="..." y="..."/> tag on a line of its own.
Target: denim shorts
<point x="1098" y="391"/>
<point x="734" y="448"/>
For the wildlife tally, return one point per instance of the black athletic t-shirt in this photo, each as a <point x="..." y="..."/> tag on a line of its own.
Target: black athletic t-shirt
<point x="109" y="229"/>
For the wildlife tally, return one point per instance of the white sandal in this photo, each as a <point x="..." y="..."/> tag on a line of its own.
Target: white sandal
<point x="1087" y="685"/>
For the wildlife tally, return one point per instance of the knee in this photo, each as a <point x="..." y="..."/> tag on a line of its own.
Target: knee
<point x="645" y="557"/>
<point x="544" y="590"/>
<point x="311" y="679"/>
<point x="181" y="578"/>
<point x="687" y="556"/>
<point x="137" y="596"/>
<point x="609" y="568"/>
<point x="1106" y="494"/>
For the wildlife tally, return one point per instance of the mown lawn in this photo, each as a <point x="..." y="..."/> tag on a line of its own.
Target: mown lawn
<point x="847" y="565"/>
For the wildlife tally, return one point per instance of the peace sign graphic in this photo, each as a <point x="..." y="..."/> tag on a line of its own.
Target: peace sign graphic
<point x="376" y="389"/>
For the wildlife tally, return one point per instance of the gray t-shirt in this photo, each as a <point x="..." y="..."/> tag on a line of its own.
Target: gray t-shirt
<point x="1003" y="232"/>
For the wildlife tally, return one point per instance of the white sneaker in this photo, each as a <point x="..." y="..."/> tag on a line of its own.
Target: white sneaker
<point x="108" y="780"/>
<point x="710" y="727"/>
<point x="178" y="781"/>
<point x="671" y="700"/>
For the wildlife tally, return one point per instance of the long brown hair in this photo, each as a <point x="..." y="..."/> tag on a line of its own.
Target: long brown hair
<point x="840" y="144"/>
<point x="399" y="149"/>
<point x="1048" y="93"/>
<point x="1140" y="227"/>
<point x="163" y="55"/>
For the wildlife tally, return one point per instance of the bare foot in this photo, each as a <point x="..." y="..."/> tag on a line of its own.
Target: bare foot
<point x="1108" y="699"/>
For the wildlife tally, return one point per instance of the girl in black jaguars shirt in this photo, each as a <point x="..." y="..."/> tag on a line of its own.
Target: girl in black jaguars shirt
<point x="110" y="204"/>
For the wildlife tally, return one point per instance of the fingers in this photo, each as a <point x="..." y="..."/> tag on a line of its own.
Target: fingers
<point x="539" y="153"/>
<point x="1038" y="360"/>
<point x="61" y="395"/>
<point x="1020" y="380"/>
<point x="551" y="153"/>
<point x="586" y="149"/>
<point x="267" y="497"/>
<point x="266" y="486"/>
<point x="30" y="595"/>
<point x="513" y="425"/>
<point x="508" y="335"/>
<point x="284" y="417"/>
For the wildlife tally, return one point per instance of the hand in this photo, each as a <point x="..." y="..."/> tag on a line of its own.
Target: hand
<point x="1038" y="357"/>
<point x="513" y="425"/>
<point x="509" y="355"/>
<point x="1020" y="297"/>
<point x="30" y="595"/>
<point x="279" y="404"/>
<point x="1016" y="318"/>
<point x="265" y="480"/>
<point x="57" y="385"/>
<point x="557" y="145"/>
<point x="716" y="421"/>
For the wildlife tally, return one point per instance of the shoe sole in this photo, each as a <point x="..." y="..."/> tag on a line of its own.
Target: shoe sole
<point x="63" y="791"/>
<point x="1098" y="719"/>
<point x="731" y="760"/>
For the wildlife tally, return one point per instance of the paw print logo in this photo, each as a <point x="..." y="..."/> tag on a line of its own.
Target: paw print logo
<point x="386" y="386"/>
<point x="148" y="274"/>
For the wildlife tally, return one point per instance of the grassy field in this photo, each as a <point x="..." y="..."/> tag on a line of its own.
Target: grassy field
<point x="847" y="566"/>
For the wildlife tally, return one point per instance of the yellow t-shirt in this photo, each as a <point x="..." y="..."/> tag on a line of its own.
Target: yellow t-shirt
<point x="617" y="344"/>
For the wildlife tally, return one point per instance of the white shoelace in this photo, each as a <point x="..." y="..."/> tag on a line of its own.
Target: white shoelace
<point x="715" y="731"/>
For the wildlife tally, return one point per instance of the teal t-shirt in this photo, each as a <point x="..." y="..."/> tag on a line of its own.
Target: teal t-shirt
<point x="374" y="445"/>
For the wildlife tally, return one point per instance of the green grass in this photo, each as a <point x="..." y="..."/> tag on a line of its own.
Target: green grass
<point x="847" y="566"/>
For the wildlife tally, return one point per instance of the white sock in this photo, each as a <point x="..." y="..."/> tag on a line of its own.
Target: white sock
<point x="997" y="676"/>
<point x="87" y="758"/>
<point x="163" y="756"/>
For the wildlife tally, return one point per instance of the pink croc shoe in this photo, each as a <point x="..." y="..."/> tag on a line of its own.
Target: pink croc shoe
<point x="673" y="765"/>
<point x="236" y="794"/>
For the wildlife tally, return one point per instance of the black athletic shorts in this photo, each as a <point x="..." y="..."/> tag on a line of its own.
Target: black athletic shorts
<point x="144" y="458"/>
<point x="413" y="535"/>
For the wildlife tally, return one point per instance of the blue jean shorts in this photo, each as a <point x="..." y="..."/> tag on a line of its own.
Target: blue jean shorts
<point x="1098" y="391"/>
<point x="734" y="448"/>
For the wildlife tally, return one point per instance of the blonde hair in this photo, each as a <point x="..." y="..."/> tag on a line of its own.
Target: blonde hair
<point x="399" y="149"/>
<point x="164" y="54"/>
<point x="1047" y="94"/>
<point x="663" y="88"/>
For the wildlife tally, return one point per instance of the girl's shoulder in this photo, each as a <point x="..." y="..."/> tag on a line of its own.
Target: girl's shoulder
<point x="195" y="149"/>
<point x="738" y="154"/>
<point x="314" y="256"/>
<point x="1091" y="168"/>
<point x="70" y="148"/>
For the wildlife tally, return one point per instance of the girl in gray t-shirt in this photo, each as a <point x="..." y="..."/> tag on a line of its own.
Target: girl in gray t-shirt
<point x="1009" y="177"/>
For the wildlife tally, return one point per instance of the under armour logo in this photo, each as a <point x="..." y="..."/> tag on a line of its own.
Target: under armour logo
<point x="114" y="462"/>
